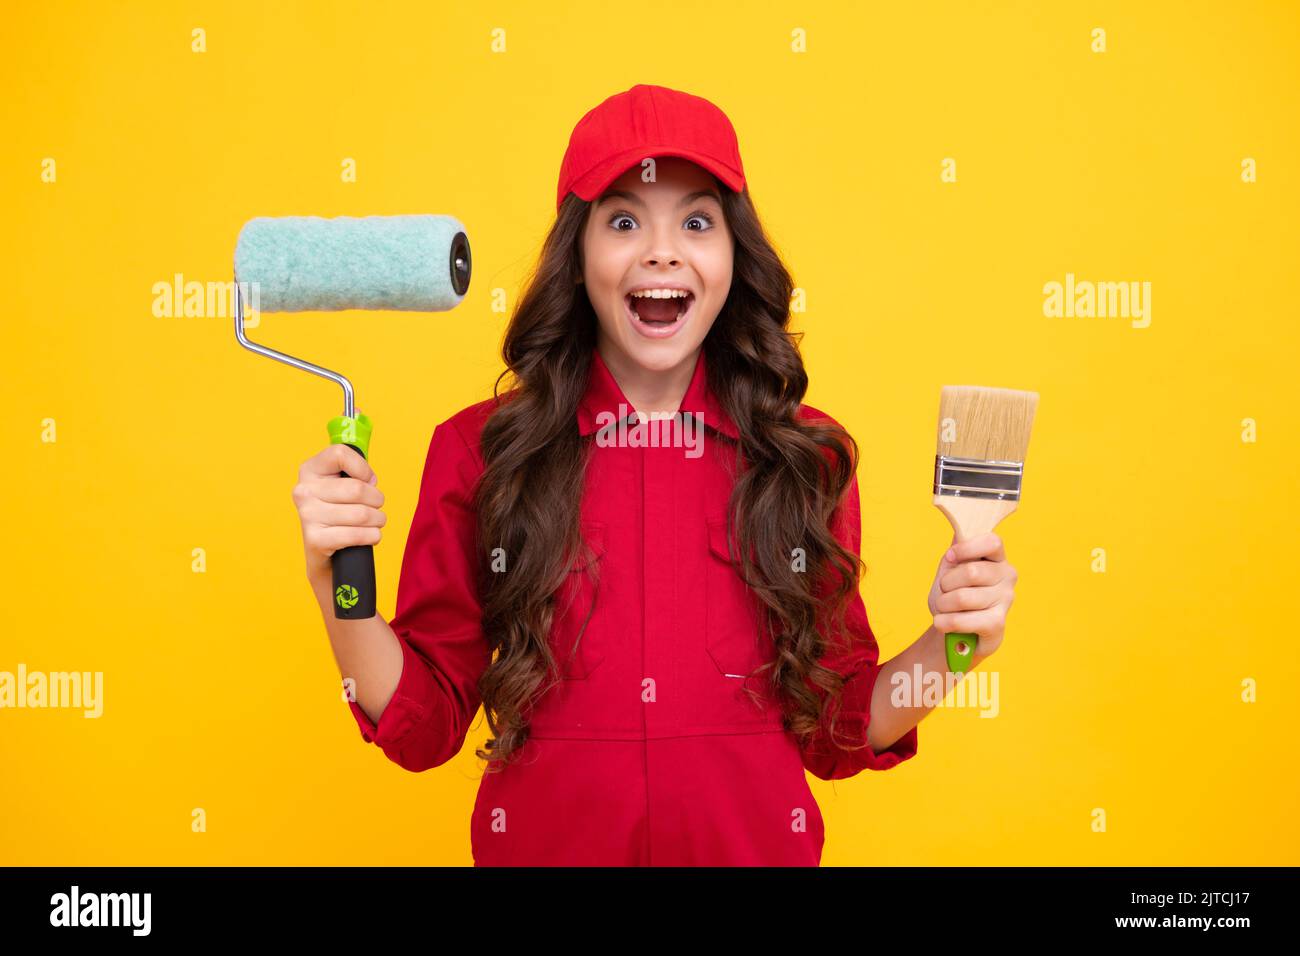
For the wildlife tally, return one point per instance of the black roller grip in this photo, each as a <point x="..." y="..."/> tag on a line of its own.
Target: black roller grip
<point x="354" y="577"/>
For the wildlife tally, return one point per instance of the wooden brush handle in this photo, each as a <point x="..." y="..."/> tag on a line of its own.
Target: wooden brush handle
<point x="970" y="518"/>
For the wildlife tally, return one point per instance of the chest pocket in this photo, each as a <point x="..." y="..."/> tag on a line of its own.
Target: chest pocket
<point x="732" y="632"/>
<point x="576" y="628"/>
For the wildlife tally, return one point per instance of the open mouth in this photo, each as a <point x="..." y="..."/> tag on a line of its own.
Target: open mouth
<point x="658" y="316"/>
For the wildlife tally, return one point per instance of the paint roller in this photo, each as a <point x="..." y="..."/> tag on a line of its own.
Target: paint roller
<point x="417" y="263"/>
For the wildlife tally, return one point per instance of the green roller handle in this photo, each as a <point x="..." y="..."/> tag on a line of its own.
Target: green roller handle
<point x="960" y="648"/>
<point x="353" y="568"/>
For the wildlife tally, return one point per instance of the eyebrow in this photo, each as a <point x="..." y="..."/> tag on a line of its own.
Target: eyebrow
<point x="686" y="200"/>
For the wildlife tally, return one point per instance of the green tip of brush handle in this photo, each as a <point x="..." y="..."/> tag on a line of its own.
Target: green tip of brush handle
<point x="960" y="648"/>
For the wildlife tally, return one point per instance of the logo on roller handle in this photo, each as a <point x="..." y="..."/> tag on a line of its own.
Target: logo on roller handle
<point x="346" y="596"/>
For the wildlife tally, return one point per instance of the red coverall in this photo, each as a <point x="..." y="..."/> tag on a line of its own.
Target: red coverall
<point x="648" y="752"/>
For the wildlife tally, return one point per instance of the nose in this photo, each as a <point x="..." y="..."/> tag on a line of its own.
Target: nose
<point x="662" y="247"/>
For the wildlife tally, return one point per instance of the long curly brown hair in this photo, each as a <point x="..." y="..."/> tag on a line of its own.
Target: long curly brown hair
<point x="793" y="474"/>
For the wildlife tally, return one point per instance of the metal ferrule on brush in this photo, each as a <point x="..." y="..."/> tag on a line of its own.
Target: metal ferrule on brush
<point x="977" y="478"/>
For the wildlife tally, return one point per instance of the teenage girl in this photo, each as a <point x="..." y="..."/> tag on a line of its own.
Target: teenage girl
<point x="642" y="558"/>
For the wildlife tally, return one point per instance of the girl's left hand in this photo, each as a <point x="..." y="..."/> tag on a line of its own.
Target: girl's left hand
<point x="973" y="590"/>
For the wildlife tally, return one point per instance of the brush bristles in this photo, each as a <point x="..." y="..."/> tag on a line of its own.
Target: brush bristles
<point x="991" y="424"/>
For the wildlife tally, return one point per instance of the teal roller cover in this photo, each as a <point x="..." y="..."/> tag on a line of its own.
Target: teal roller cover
<point x="313" y="264"/>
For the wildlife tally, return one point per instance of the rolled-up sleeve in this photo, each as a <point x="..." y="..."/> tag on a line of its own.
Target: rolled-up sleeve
<point x="438" y="618"/>
<point x="848" y="752"/>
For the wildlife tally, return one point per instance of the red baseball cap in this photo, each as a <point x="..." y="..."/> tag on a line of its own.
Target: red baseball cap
<point x="642" y="122"/>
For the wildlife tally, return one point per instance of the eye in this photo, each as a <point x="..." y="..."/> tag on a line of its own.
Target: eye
<point x="704" y="216"/>
<point x="620" y="216"/>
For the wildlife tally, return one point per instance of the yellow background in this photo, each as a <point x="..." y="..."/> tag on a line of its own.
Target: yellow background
<point x="1119" y="691"/>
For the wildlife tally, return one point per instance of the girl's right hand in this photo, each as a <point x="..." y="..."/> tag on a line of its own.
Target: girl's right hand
<point x="336" y="511"/>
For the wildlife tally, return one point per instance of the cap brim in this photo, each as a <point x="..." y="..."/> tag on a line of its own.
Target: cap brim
<point x="594" y="182"/>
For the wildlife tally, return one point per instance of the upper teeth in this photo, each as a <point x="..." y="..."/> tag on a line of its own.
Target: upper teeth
<point x="661" y="293"/>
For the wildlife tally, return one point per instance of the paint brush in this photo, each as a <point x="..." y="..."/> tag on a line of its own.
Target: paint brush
<point x="979" y="464"/>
